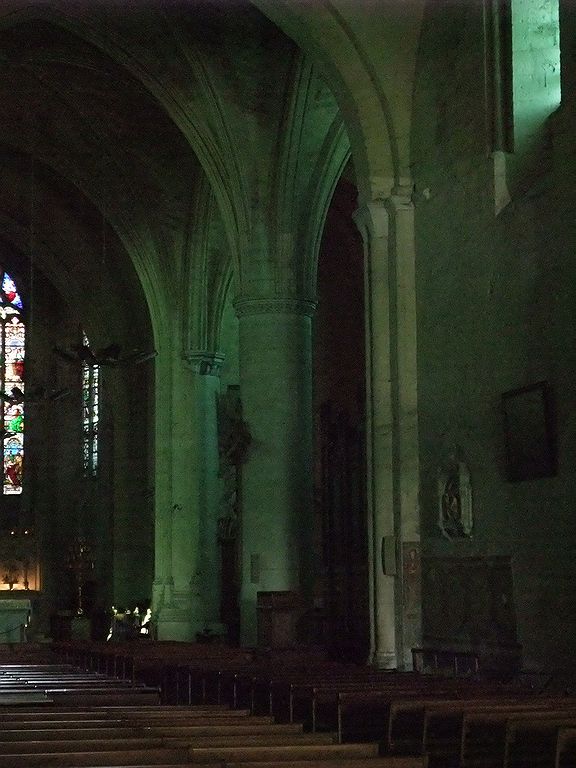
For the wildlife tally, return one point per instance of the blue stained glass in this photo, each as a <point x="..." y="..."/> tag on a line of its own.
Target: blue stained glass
<point x="10" y="291"/>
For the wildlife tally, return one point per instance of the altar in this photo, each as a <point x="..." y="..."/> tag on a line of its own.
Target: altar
<point x="14" y="619"/>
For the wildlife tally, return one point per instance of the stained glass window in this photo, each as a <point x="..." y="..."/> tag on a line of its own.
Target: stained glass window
<point x="12" y="343"/>
<point x="90" y="415"/>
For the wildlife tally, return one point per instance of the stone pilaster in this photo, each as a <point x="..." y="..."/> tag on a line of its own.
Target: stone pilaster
<point x="276" y="391"/>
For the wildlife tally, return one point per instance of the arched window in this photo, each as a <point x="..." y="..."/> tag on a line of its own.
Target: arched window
<point x="12" y="374"/>
<point x="90" y="415"/>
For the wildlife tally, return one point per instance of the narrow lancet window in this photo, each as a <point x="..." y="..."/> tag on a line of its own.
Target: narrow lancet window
<point x="90" y="415"/>
<point x="12" y="373"/>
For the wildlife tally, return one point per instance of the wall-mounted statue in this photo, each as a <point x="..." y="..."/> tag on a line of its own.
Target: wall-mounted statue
<point x="455" y="497"/>
<point x="233" y="442"/>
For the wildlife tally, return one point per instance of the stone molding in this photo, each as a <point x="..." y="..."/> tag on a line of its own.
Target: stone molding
<point x="246" y="307"/>
<point x="203" y="362"/>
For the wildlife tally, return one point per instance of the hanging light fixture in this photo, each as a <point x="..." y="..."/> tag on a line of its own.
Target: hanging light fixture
<point x="107" y="356"/>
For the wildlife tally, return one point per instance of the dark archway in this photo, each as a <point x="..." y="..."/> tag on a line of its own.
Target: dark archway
<point x="339" y="407"/>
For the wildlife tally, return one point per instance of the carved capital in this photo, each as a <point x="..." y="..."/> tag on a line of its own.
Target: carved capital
<point x="203" y="362"/>
<point x="372" y="220"/>
<point x="246" y="307"/>
<point x="401" y="199"/>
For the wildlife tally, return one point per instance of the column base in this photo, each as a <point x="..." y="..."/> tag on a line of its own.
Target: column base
<point x="161" y="594"/>
<point x="176" y="624"/>
<point x="384" y="660"/>
<point x="181" y="619"/>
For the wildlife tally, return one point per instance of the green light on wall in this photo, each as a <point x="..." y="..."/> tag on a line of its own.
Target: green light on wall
<point x="536" y="64"/>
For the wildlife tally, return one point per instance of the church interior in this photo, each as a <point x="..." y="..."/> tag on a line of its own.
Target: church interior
<point x="285" y="294"/>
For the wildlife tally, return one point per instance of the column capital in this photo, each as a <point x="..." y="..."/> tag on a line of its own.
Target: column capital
<point x="248" y="306"/>
<point x="372" y="219"/>
<point x="401" y="198"/>
<point x="203" y="362"/>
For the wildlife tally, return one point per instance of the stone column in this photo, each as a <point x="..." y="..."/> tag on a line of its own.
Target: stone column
<point x="163" y="584"/>
<point x="206" y="367"/>
<point x="372" y="221"/>
<point x="181" y="616"/>
<point x="276" y="392"/>
<point x="392" y="428"/>
<point x="403" y="251"/>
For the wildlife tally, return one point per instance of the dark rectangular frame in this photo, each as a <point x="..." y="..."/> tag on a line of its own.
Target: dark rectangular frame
<point x="530" y="432"/>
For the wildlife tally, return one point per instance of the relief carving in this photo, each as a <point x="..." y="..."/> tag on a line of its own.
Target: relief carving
<point x="454" y="490"/>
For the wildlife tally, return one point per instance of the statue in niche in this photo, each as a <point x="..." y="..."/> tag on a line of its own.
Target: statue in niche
<point x="455" y="498"/>
<point x="233" y="432"/>
<point x="233" y="442"/>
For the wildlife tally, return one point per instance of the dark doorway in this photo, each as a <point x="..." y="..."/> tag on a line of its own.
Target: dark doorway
<point x="339" y="403"/>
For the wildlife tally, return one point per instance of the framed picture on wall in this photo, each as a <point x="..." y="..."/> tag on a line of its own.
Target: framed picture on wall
<point x="530" y="432"/>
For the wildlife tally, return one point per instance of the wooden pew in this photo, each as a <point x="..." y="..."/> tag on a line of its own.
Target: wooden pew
<point x="409" y="719"/>
<point x="440" y="660"/>
<point x="151" y="735"/>
<point x="376" y="762"/>
<point x="535" y="742"/>
<point x="565" y="748"/>
<point x="261" y="686"/>
<point x="351" y="706"/>
<point x="62" y="684"/>
<point x="153" y="753"/>
<point x="487" y="732"/>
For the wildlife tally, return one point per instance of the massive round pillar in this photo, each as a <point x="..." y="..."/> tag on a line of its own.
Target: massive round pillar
<point x="276" y="391"/>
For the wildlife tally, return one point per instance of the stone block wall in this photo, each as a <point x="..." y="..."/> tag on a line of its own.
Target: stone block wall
<point x="496" y="293"/>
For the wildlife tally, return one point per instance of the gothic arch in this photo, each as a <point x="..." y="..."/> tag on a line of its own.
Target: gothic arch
<point x="370" y="95"/>
<point x="205" y="129"/>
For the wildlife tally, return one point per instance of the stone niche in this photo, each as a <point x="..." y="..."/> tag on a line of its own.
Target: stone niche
<point x="468" y="605"/>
